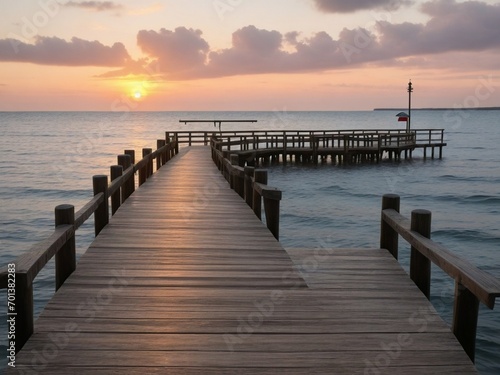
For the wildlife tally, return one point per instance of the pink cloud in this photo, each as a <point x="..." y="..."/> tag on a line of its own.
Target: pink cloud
<point x="180" y="53"/>
<point x="56" y="51"/>
<point x="184" y="54"/>
<point x="343" y="6"/>
<point x="469" y="26"/>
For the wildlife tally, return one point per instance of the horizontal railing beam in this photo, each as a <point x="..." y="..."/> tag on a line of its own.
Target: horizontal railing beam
<point x="82" y="215"/>
<point x="267" y="191"/>
<point x="142" y="163"/>
<point x="33" y="261"/>
<point x="483" y="285"/>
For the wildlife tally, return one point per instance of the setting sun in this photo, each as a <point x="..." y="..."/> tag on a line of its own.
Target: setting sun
<point x="137" y="95"/>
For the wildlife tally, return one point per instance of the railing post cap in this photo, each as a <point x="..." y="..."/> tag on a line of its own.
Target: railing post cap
<point x="99" y="176"/>
<point x="391" y="196"/>
<point x="64" y="207"/>
<point x="421" y="212"/>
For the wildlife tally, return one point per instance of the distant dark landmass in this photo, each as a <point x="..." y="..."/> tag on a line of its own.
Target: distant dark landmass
<point x="440" y="109"/>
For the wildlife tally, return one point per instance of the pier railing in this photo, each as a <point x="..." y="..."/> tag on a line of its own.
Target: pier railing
<point x="472" y="285"/>
<point x="250" y="184"/>
<point x="346" y="145"/>
<point x="421" y="136"/>
<point x="19" y="275"/>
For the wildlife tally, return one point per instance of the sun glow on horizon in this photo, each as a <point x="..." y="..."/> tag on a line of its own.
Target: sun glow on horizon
<point x="136" y="89"/>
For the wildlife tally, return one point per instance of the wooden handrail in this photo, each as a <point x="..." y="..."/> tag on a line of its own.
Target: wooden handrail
<point x="202" y="137"/>
<point x="33" y="261"/>
<point x="472" y="285"/>
<point x="87" y="211"/>
<point x="61" y="242"/>
<point x="483" y="285"/>
<point x="267" y="191"/>
<point x="250" y="184"/>
<point x="398" y="138"/>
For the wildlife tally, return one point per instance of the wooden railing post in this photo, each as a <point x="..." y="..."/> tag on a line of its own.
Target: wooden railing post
<point x="170" y="149"/>
<point x="272" y="209"/>
<point x="314" y="145"/>
<point x="24" y="310"/>
<point x="126" y="161"/>
<point x="131" y="153"/>
<point x="160" y="159"/>
<point x="101" y="215"/>
<point x="465" y="315"/>
<point x="225" y="155"/>
<point x="146" y="171"/>
<point x="116" y="198"/>
<point x="237" y="182"/>
<point x="131" y="182"/>
<point x="420" y="266"/>
<point x="249" y="172"/>
<point x="260" y="175"/>
<point x="176" y="138"/>
<point x="388" y="236"/>
<point x="66" y="256"/>
<point x="233" y="159"/>
<point x="148" y="152"/>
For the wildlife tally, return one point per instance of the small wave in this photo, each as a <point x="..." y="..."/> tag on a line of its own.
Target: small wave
<point x="469" y="235"/>
<point x="451" y="177"/>
<point x="469" y="199"/>
<point x="53" y="192"/>
<point x="334" y="189"/>
<point x="338" y="190"/>
<point x="483" y="199"/>
<point x="471" y="148"/>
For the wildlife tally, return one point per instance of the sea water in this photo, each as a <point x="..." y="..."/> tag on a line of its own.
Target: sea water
<point x="49" y="158"/>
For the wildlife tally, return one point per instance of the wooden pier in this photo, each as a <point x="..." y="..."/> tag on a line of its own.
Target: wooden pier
<point x="341" y="146"/>
<point x="185" y="279"/>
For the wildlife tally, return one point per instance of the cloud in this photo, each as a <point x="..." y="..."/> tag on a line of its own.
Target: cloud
<point x="453" y="27"/>
<point x="342" y="6"/>
<point x="253" y="50"/>
<point x="97" y="6"/>
<point x="55" y="51"/>
<point x="180" y="53"/>
<point x="183" y="54"/>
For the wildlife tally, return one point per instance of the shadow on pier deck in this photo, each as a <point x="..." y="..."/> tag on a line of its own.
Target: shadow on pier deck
<point x="186" y="280"/>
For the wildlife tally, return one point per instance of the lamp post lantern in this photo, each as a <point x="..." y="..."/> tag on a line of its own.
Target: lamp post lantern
<point x="410" y="90"/>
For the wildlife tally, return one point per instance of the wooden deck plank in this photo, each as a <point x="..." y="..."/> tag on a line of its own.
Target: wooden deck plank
<point x="186" y="280"/>
<point x="120" y="370"/>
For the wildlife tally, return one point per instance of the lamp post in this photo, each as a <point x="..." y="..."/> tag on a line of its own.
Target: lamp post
<point x="410" y="90"/>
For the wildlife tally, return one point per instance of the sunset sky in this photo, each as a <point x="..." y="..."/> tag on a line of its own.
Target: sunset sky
<point x="167" y="55"/>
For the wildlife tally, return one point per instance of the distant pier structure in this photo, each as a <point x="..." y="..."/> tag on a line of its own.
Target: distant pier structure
<point x="341" y="146"/>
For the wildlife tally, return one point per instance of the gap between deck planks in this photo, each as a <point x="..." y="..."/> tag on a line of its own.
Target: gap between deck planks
<point x="186" y="280"/>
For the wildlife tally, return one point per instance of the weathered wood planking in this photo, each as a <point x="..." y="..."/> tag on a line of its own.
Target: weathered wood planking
<point x="186" y="280"/>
